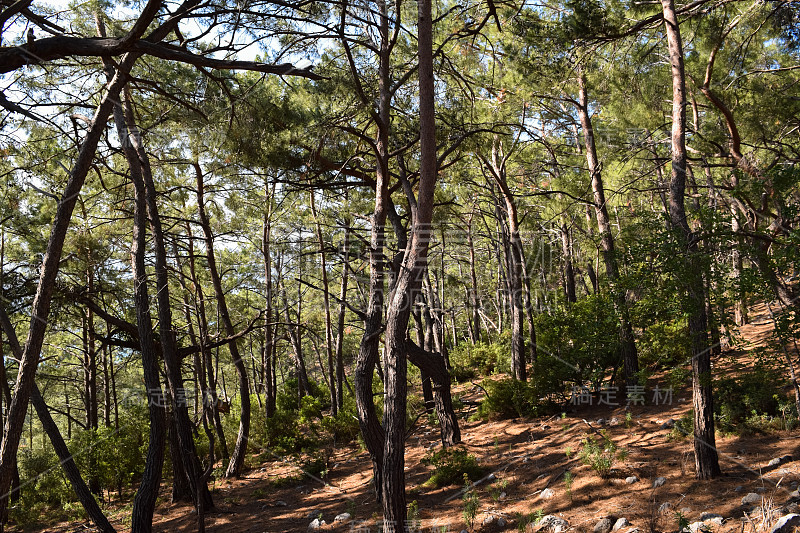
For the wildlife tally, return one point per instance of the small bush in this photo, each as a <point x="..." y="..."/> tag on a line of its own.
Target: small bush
<point x="482" y="359"/>
<point x="510" y="398"/>
<point x="451" y="464"/>
<point x="470" y="501"/>
<point x="750" y="402"/>
<point x="683" y="427"/>
<point x="600" y="453"/>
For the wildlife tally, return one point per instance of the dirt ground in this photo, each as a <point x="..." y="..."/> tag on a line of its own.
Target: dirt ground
<point x="526" y="456"/>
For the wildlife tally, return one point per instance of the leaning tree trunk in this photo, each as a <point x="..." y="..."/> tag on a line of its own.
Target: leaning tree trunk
<point x="40" y="308"/>
<point x="630" y="357"/>
<point x="706" y="459"/>
<point x="54" y="434"/>
<point x="242" y="438"/>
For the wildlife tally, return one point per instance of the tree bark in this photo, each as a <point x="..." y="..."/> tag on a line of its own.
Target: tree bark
<point x="706" y="459"/>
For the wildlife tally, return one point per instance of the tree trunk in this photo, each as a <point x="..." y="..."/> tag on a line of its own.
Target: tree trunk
<point x="40" y="308"/>
<point x="48" y="424"/>
<point x="630" y="356"/>
<point x="706" y="459"/>
<point x="240" y="448"/>
<point x="191" y="463"/>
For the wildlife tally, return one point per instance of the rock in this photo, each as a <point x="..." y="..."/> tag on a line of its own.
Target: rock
<point x="686" y="510"/>
<point x="631" y="480"/>
<point x="794" y="495"/>
<point x="697" y="527"/>
<point x="552" y="523"/>
<point x="316" y="524"/>
<point x="343" y="517"/>
<point x="464" y="531"/>
<point x="780" y="460"/>
<point x="526" y="460"/>
<point x="659" y="481"/>
<point x="502" y="496"/>
<point x="751" y="498"/>
<point x="761" y="490"/>
<point x="547" y="494"/>
<point x="281" y="503"/>
<point x="791" y="508"/>
<point x="665" y="508"/>
<point x="619" y="524"/>
<point x="786" y="524"/>
<point x="545" y="426"/>
<point x="712" y="518"/>
<point x="601" y="421"/>
<point x="614" y="421"/>
<point x="633" y="530"/>
<point x="738" y="488"/>
<point x="669" y="424"/>
<point x="501" y="522"/>
<point x="491" y="477"/>
<point x="488" y="519"/>
<point x="784" y="471"/>
<point x="605" y="525"/>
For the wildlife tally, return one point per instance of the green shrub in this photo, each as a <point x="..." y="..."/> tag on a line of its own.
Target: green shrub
<point x="577" y="344"/>
<point x="684" y="426"/>
<point x="749" y="402"/>
<point x="510" y="398"/>
<point x="451" y="464"/>
<point x="482" y="359"/>
<point x="600" y="453"/>
<point x="344" y="426"/>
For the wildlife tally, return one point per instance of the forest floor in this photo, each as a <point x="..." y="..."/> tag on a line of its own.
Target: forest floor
<point x="526" y="457"/>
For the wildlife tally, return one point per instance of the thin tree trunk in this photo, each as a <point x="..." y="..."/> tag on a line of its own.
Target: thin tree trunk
<point x="630" y="356"/>
<point x="569" y="273"/>
<point x="340" y="377"/>
<point x="326" y="307"/>
<point x="210" y="398"/>
<point x="240" y="448"/>
<point x="514" y="257"/>
<point x="706" y="459"/>
<point x="270" y="393"/>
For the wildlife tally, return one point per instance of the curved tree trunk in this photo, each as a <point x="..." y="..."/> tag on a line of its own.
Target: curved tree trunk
<point x="40" y="308"/>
